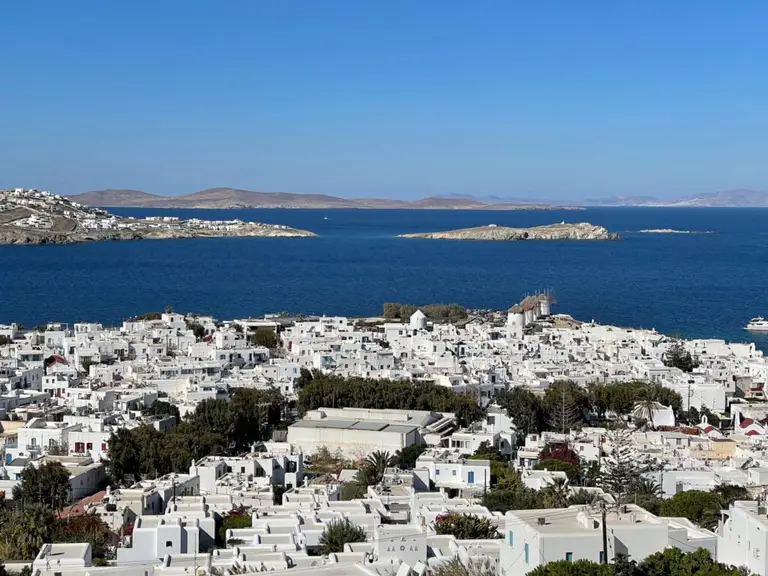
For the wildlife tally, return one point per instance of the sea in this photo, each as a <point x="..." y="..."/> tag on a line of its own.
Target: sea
<point x="689" y="285"/>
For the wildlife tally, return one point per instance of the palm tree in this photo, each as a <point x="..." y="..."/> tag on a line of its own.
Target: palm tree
<point x="34" y="527"/>
<point x="373" y="468"/>
<point x="646" y="404"/>
<point x="647" y="494"/>
<point x="555" y="495"/>
<point x="582" y="496"/>
<point x="338" y="533"/>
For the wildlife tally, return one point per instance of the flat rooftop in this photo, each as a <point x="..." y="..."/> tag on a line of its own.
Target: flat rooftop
<point x="356" y="425"/>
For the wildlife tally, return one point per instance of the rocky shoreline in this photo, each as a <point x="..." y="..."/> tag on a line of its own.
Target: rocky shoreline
<point x="10" y="236"/>
<point x="562" y="231"/>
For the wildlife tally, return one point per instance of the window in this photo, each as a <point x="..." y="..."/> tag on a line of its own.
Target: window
<point x="569" y="556"/>
<point x="511" y="538"/>
<point x="491" y="420"/>
<point x="242" y="469"/>
<point x="168" y="543"/>
<point x="454" y="472"/>
<point x="33" y="442"/>
<point x="526" y="552"/>
<point x="103" y="446"/>
<point x="602" y="557"/>
<point x="89" y="446"/>
<point x="437" y="472"/>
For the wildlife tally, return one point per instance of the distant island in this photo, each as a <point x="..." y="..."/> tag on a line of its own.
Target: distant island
<point x="562" y="231"/>
<point x="230" y="198"/>
<point x="35" y="217"/>
<point x="673" y="231"/>
<point x="723" y="199"/>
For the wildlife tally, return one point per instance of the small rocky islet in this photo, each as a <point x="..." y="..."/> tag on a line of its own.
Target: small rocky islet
<point x="561" y="231"/>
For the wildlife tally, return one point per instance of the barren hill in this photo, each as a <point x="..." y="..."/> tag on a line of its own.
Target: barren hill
<point x="223" y="198"/>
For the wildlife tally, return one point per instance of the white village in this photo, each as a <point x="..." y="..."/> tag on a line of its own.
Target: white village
<point x="401" y="445"/>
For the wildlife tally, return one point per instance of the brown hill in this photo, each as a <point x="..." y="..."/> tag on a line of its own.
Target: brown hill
<point x="223" y="198"/>
<point x="112" y="197"/>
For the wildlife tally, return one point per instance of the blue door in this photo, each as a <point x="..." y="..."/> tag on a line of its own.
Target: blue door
<point x="471" y="477"/>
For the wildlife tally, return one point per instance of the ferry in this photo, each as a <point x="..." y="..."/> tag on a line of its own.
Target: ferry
<point x="758" y="324"/>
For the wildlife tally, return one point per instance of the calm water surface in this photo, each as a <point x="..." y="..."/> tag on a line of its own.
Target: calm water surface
<point x="693" y="285"/>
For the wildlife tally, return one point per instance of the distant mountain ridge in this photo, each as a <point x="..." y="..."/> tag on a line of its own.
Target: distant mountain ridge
<point x="225" y="198"/>
<point x="724" y="199"/>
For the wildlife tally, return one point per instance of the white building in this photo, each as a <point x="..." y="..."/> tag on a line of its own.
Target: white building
<point x="358" y="432"/>
<point x="533" y="538"/>
<point x="743" y="537"/>
<point x="448" y="469"/>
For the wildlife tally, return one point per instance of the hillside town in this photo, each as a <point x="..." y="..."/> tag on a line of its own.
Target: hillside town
<point x="431" y="440"/>
<point x="29" y="216"/>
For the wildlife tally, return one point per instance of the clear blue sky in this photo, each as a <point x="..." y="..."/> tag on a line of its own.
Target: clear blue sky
<point x="399" y="98"/>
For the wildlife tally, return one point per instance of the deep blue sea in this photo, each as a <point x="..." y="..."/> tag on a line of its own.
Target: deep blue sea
<point x="692" y="285"/>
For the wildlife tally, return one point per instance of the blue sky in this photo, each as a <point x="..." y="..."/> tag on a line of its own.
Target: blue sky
<point x="399" y="98"/>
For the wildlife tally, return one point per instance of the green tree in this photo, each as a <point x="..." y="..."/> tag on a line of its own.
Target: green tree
<point x="678" y="357"/>
<point x="573" y="471"/>
<point x="730" y="493"/>
<point x="474" y="566"/>
<point x="162" y="409"/>
<point x="338" y="392"/>
<point x="674" y="562"/>
<point x="406" y="458"/>
<point x="621" y="467"/>
<point x="435" y="312"/>
<point x="582" y="496"/>
<point x="525" y="409"/>
<point x="465" y="526"/>
<point x="197" y="329"/>
<point x="352" y="491"/>
<point x="124" y="455"/>
<point x="340" y="532"/>
<point x="373" y="468"/>
<point x="647" y="494"/>
<point x="565" y="404"/>
<point x="233" y="520"/>
<point x="577" y="568"/>
<point x="555" y="494"/>
<point x="702" y="508"/>
<point x="621" y="397"/>
<point x="511" y="497"/>
<point x="48" y="484"/>
<point x="264" y="336"/>
<point x="23" y="531"/>
<point x="86" y="528"/>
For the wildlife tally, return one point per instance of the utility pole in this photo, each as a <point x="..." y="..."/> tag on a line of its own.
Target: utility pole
<point x="605" y="536"/>
<point x="689" y="398"/>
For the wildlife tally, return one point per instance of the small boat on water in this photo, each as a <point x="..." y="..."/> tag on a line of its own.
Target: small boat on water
<point x="758" y="324"/>
<point x="326" y="218"/>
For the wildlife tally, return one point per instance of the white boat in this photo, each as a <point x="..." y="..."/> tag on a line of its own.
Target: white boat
<point x="758" y="324"/>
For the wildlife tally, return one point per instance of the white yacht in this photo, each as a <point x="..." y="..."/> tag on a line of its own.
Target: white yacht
<point x="759" y="324"/>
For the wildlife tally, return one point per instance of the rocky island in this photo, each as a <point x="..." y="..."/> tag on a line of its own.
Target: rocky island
<point x="36" y="217"/>
<point x="562" y="231"/>
<point x="673" y="231"/>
